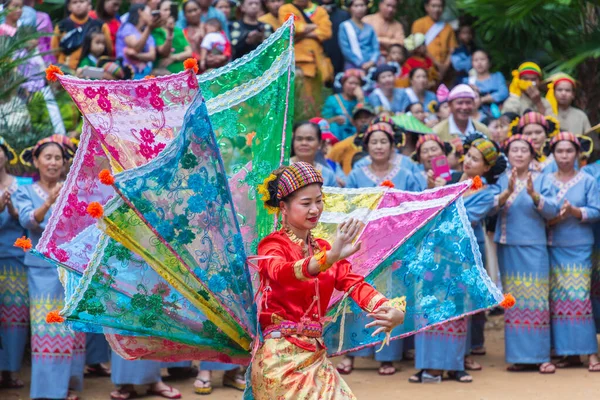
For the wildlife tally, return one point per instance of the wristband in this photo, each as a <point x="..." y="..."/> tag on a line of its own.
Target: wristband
<point x="321" y="258"/>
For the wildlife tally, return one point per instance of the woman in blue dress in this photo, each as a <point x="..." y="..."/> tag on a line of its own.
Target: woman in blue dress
<point x="594" y="171"/>
<point x="525" y="201"/>
<point x="417" y="91"/>
<point x="338" y="108"/>
<point x="380" y="142"/>
<point x="58" y="354"/>
<point x="306" y="143"/>
<point x="444" y="347"/>
<point x="570" y="244"/>
<point x="492" y="85"/>
<point x="538" y="128"/>
<point x="14" y="308"/>
<point x="427" y="148"/>
<point x="386" y="97"/>
<point x="358" y="41"/>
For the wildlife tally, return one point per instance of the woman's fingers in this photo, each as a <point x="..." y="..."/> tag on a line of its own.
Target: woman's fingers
<point x="380" y="330"/>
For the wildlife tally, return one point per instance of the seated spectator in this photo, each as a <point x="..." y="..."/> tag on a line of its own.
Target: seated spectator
<point x="332" y="46"/>
<point x="416" y="110"/>
<point x="107" y="12"/>
<point x="398" y="54"/>
<point x="525" y="91"/>
<point x="417" y="91"/>
<point x="215" y="43"/>
<point x="389" y="31"/>
<point x="225" y="6"/>
<point x="271" y="17"/>
<point x="492" y="86"/>
<point x="68" y="38"/>
<point x="134" y="43"/>
<point x="172" y="48"/>
<point x="306" y="143"/>
<point x="94" y="47"/>
<point x="247" y="33"/>
<point x="439" y="36"/>
<point x="206" y="12"/>
<point x="337" y="107"/>
<point x="194" y="31"/>
<point x="461" y="56"/>
<point x="415" y="45"/>
<point x="386" y="96"/>
<point x="460" y="124"/>
<point x="358" y="40"/>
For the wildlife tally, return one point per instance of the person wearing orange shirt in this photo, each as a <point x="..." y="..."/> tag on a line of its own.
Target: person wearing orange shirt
<point x="439" y="36"/>
<point x="388" y="30"/>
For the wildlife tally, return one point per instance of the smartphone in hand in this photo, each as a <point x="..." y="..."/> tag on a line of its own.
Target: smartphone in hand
<point x="440" y="168"/>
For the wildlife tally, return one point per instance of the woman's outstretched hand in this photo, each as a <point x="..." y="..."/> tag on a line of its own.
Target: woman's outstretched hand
<point x="386" y="318"/>
<point x="343" y="246"/>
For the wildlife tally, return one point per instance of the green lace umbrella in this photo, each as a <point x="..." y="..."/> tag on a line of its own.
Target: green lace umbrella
<point x="410" y="124"/>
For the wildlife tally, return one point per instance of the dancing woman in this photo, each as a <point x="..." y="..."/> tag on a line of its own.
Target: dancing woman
<point x="298" y="276"/>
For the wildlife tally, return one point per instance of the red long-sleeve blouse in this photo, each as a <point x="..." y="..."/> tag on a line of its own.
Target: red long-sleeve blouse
<point x="292" y="288"/>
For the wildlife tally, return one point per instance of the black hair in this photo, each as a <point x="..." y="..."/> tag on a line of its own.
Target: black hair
<point x="529" y="145"/>
<point x="86" y="48"/>
<point x="402" y="48"/>
<point x="189" y="2"/>
<point x="409" y="107"/>
<point x="134" y="13"/>
<point x="4" y="148"/>
<point x="413" y="71"/>
<point x="426" y="2"/>
<point x="67" y="2"/>
<point x="101" y="12"/>
<point x="297" y="125"/>
<point x="501" y="164"/>
<point x="484" y="51"/>
<point x="214" y="22"/>
<point x="358" y="156"/>
<point x="38" y="151"/>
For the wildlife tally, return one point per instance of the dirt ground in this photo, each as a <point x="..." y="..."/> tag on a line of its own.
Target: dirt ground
<point x="493" y="383"/>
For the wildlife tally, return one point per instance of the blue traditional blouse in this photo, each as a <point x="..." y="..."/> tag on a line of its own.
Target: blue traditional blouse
<point x="10" y="229"/>
<point x="336" y="105"/>
<point x="363" y="177"/>
<point x="478" y="205"/>
<point x="364" y="50"/>
<point x="398" y="104"/>
<point x="581" y="191"/>
<point x="520" y="222"/>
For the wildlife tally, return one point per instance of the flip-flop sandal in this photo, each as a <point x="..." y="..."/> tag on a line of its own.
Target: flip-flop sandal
<point x="565" y="362"/>
<point x="417" y="378"/>
<point x="12" y="384"/>
<point x="72" y="396"/>
<point x="164" y="393"/>
<point x="594" y="367"/>
<point x="459" y="376"/>
<point x="473" y="366"/>
<point x="387" y="366"/>
<point x="123" y="394"/>
<point x="346" y="369"/>
<point x="522" y="368"/>
<point x="543" y="368"/>
<point x="205" y="389"/>
<point x="97" y="370"/>
<point x="232" y="382"/>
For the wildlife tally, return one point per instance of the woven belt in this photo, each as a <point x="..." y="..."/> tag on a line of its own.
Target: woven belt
<point x="288" y="328"/>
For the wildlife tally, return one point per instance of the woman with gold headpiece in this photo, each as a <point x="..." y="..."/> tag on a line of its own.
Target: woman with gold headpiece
<point x="298" y="274"/>
<point x="561" y="93"/>
<point x="525" y="201"/>
<point x="14" y="308"/>
<point x="525" y="91"/>
<point x="538" y="129"/>
<point x="58" y="354"/>
<point x="570" y="244"/>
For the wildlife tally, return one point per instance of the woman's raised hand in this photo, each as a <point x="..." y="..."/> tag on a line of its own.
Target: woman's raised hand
<point x="385" y="318"/>
<point x="343" y="246"/>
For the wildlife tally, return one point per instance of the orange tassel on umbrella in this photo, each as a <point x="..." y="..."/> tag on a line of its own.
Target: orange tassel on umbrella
<point x="388" y="183"/>
<point x="52" y="71"/>
<point x="106" y="177"/>
<point x="95" y="210"/>
<point x="191" y="63"/>
<point x="54" y="317"/>
<point x="508" y="302"/>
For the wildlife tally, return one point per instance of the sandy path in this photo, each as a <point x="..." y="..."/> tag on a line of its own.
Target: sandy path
<point x="493" y="383"/>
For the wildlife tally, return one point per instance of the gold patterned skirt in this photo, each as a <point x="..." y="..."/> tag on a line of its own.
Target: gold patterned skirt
<point x="282" y="370"/>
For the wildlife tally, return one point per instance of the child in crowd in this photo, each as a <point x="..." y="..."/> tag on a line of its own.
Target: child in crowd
<point x="461" y="57"/>
<point x="215" y="41"/>
<point x="499" y="127"/>
<point x="70" y="33"/>
<point x="271" y="17"/>
<point x="397" y="55"/>
<point x="94" y="53"/>
<point x="416" y="110"/>
<point x="225" y="6"/>
<point x="419" y="58"/>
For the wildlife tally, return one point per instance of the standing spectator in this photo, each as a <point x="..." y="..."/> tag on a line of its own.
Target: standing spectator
<point x="134" y="43"/>
<point x="386" y="96"/>
<point x="570" y="245"/>
<point x="332" y="45"/>
<point x="537" y="128"/>
<point x="107" y="12"/>
<point x="172" y="48"/>
<point x="68" y="38"/>
<point x="460" y="124"/>
<point x="525" y="91"/>
<point x="594" y="171"/>
<point x="561" y="93"/>
<point x="248" y="32"/>
<point x="271" y="17"/>
<point x="194" y="31"/>
<point x="14" y="308"/>
<point x="525" y="201"/>
<point x="215" y="44"/>
<point x="358" y="40"/>
<point x="43" y="23"/>
<point x="337" y="107"/>
<point x="312" y="28"/>
<point x="225" y="6"/>
<point x="439" y="36"/>
<point x="462" y="56"/>
<point x="389" y="31"/>
<point x="126" y="374"/>
<point x="492" y="86"/>
<point x="206" y="12"/>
